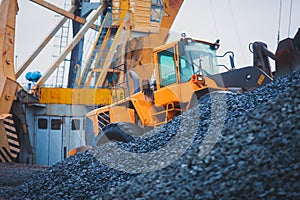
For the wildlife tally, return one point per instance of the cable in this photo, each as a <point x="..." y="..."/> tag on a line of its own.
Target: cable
<point x="236" y="30"/>
<point x="214" y="17"/>
<point x="290" y="18"/>
<point x="279" y="22"/>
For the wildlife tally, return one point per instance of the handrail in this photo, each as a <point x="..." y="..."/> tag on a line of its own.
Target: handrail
<point x="88" y="63"/>
<point x="118" y="40"/>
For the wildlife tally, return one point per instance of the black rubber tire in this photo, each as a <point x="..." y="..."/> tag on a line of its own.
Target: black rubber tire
<point x="121" y="131"/>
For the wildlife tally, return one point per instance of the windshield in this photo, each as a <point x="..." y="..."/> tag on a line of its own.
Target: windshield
<point x="199" y="58"/>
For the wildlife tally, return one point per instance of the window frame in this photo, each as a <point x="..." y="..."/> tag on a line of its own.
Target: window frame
<point x="55" y="122"/>
<point x="75" y="126"/>
<point x="42" y="127"/>
<point x="163" y="67"/>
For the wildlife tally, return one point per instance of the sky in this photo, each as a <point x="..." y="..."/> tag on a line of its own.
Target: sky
<point x="235" y="22"/>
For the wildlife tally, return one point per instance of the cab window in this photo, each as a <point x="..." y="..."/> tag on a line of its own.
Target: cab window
<point x="167" y="69"/>
<point x="186" y="70"/>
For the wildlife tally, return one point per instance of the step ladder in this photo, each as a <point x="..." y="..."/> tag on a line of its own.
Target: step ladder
<point x="61" y="42"/>
<point x="169" y="112"/>
<point x="110" y="41"/>
<point x="93" y="60"/>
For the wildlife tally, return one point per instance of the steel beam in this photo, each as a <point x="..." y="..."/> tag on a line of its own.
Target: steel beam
<point x="43" y="44"/>
<point x="74" y="42"/>
<point x="120" y="38"/>
<point x="63" y="12"/>
<point x="8" y="11"/>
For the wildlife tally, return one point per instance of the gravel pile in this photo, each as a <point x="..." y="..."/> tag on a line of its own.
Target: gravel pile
<point x="247" y="147"/>
<point x="256" y="157"/>
<point x="14" y="174"/>
<point x="78" y="177"/>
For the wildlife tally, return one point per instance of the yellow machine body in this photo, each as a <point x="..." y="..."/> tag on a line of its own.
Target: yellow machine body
<point x="153" y="107"/>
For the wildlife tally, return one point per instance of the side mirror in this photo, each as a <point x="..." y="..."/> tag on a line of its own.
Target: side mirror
<point x="231" y="59"/>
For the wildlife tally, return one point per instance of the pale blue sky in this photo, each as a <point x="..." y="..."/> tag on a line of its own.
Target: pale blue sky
<point x="235" y="22"/>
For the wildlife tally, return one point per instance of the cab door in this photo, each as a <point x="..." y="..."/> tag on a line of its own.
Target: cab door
<point x="167" y="76"/>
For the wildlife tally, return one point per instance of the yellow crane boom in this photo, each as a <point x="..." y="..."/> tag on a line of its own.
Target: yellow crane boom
<point x="9" y="145"/>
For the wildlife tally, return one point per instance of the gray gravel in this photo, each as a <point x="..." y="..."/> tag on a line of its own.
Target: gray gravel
<point x="14" y="174"/>
<point x="255" y="156"/>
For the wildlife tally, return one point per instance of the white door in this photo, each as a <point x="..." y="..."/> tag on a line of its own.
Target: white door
<point x="77" y="137"/>
<point x="42" y="125"/>
<point x="48" y="145"/>
<point x="55" y="140"/>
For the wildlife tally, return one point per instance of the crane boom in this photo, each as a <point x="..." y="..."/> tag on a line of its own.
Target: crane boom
<point x="9" y="9"/>
<point x="9" y="145"/>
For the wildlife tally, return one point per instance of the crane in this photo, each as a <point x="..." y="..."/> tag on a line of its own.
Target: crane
<point x="131" y="28"/>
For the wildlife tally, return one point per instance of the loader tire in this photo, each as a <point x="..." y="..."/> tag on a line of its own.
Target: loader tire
<point x="122" y="131"/>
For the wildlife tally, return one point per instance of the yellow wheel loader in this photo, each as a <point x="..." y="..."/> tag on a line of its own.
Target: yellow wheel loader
<point x="183" y="72"/>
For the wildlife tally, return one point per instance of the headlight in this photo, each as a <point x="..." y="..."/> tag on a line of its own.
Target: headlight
<point x="199" y="78"/>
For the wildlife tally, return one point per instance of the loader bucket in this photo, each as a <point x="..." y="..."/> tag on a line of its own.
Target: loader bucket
<point x="287" y="55"/>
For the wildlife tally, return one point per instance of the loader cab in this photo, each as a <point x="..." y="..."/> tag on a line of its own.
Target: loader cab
<point x="177" y="62"/>
<point x="199" y="56"/>
<point x="180" y="69"/>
